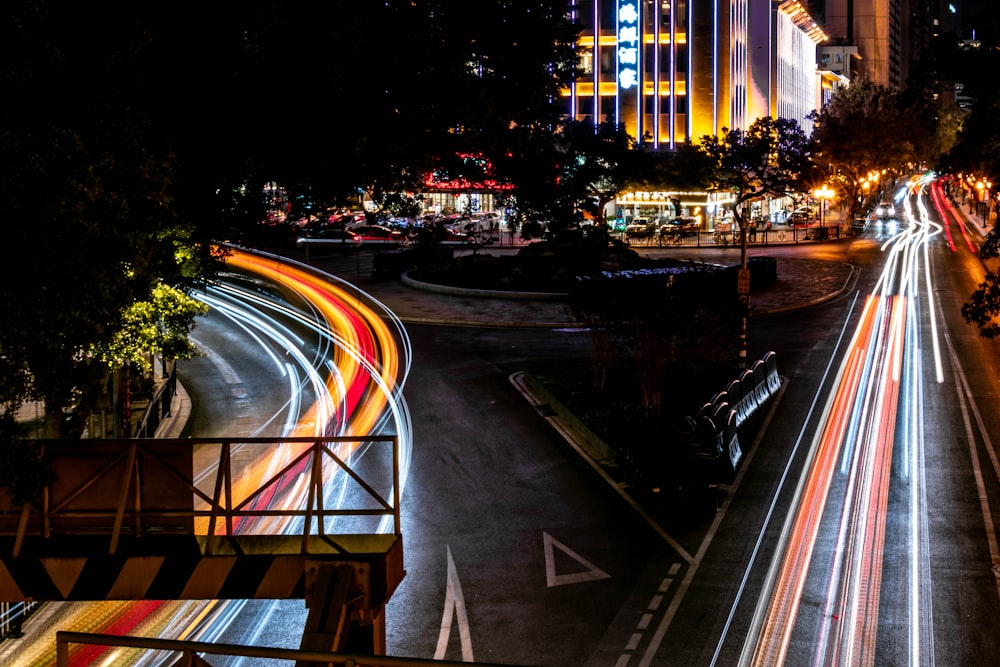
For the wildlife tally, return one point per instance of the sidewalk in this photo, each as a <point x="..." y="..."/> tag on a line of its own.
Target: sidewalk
<point x="801" y="283"/>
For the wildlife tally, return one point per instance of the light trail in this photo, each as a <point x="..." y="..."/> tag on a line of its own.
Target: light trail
<point x="847" y="477"/>
<point x="355" y="375"/>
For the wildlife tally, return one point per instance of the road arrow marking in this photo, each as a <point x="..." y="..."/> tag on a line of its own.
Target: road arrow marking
<point x="592" y="573"/>
<point x="454" y="606"/>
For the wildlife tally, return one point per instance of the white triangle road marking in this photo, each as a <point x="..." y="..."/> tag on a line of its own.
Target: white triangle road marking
<point x="592" y="573"/>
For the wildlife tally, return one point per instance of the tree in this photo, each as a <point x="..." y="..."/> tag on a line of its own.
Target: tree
<point x="764" y="160"/>
<point x="89" y="195"/>
<point x="403" y="89"/>
<point x="859" y="133"/>
<point x="597" y="164"/>
<point x="125" y="158"/>
<point x="159" y="326"/>
<point x="983" y="307"/>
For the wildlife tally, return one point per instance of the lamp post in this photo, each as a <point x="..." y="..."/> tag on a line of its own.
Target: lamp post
<point x="980" y="193"/>
<point x="822" y="194"/>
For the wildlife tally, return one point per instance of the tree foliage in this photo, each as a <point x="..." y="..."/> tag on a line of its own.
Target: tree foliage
<point x="859" y="133"/>
<point x="576" y="171"/>
<point x="983" y="307"/>
<point x="89" y="195"/>
<point x="767" y="159"/>
<point x="693" y="330"/>
<point x="976" y="152"/>
<point x="157" y="326"/>
<point x="132" y="141"/>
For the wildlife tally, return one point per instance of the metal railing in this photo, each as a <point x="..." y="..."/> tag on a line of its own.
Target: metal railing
<point x="159" y="406"/>
<point x="188" y="649"/>
<point x="728" y="238"/>
<point x="116" y="487"/>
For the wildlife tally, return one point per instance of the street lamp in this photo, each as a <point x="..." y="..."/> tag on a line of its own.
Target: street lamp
<point x="979" y="199"/>
<point x="822" y="194"/>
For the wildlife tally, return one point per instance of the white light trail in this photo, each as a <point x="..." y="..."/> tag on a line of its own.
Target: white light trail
<point x="881" y="380"/>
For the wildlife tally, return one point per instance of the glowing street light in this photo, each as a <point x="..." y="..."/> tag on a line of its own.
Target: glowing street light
<point x="823" y="194"/>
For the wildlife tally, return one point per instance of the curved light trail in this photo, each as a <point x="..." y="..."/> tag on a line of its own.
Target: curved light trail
<point x="335" y="344"/>
<point x="844" y="489"/>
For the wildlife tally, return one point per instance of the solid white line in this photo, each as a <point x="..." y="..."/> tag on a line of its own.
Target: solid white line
<point x="967" y="401"/>
<point x="781" y="484"/>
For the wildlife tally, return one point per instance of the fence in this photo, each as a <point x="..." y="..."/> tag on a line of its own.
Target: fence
<point x="136" y="486"/>
<point x="188" y="650"/>
<point x="777" y="235"/>
<point x="159" y="405"/>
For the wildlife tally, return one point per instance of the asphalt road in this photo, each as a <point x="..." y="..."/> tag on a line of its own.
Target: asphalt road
<point x="519" y="551"/>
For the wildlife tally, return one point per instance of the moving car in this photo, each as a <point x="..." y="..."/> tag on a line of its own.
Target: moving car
<point x="378" y="235"/>
<point x="331" y="237"/>
<point x="885" y="210"/>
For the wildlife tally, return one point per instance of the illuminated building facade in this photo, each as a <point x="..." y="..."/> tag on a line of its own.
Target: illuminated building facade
<point x="672" y="71"/>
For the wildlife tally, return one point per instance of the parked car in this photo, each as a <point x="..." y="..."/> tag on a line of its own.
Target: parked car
<point x="802" y="214"/>
<point x="331" y="237"/>
<point x="378" y="235"/>
<point x="640" y="227"/>
<point x="683" y="225"/>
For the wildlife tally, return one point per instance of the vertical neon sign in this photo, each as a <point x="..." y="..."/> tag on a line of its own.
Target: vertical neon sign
<point x="628" y="45"/>
<point x="628" y="53"/>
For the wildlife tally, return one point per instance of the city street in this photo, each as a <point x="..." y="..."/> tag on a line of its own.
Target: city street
<point x="519" y="551"/>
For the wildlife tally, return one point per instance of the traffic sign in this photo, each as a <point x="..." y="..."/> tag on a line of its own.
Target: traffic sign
<point x="743" y="281"/>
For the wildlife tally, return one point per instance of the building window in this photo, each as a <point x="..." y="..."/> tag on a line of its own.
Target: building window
<point x="607" y="64"/>
<point x="608" y="109"/>
<point x="587" y="61"/>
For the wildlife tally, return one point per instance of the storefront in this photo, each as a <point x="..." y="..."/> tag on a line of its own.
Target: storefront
<point x="707" y="207"/>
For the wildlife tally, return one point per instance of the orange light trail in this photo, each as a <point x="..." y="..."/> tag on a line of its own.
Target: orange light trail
<point x="852" y="452"/>
<point x="364" y="387"/>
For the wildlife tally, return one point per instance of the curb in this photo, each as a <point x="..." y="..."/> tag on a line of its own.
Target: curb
<point x="480" y="293"/>
<point x="547" y="405"/>
<point x="851" y="279"/>
<point x="180" y="411"/>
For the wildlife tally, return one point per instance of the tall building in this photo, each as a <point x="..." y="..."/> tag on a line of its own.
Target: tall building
<point x="876" y="28"/>
<point x="672" y="71"/>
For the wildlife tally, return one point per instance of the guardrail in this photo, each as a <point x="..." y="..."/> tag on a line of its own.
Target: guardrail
<point x="188" y="651"/>
<point x="763" y="236"/>
<point x="159" y="406"/>
<point x="137" y="486"/>
<point x="716" y="423"/>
